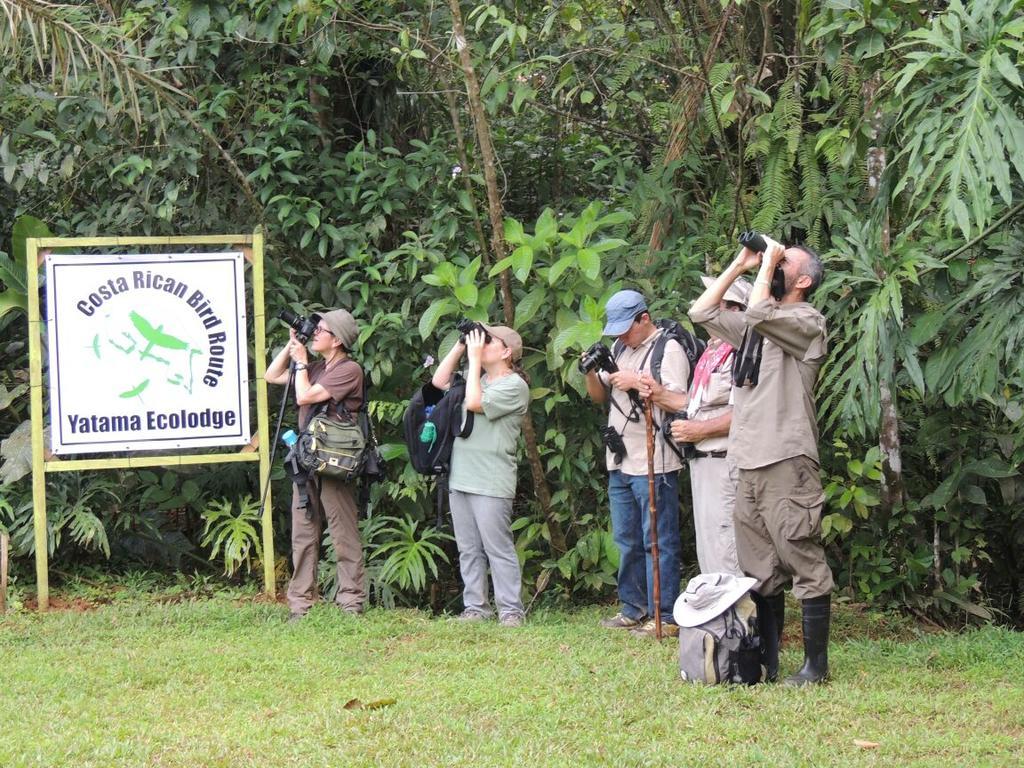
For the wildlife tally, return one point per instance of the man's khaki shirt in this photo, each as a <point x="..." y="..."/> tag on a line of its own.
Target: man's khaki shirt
<point x="675" y="372"/>
<point x="776" y="419"/>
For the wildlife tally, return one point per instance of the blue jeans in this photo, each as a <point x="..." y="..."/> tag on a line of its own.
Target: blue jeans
<point x="631" y="529"/>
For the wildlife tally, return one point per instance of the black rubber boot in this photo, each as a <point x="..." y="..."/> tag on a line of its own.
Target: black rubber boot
<point x="816" y="614"/>
<point x="770" y="629"/>
<point x="777" y="603"/>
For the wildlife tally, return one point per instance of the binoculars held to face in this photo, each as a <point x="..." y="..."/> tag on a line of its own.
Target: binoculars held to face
<point x="754" y="241"/>
<point x="465" y="326"/>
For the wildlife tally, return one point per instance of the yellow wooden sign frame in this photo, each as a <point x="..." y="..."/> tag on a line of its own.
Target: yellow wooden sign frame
<point x="42" y="462"/>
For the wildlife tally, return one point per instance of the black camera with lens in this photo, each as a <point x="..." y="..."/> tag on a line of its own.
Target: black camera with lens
<point x="613" y="442"/>
<point x="598" y="357"/>
<point x="687" y="450"/>
<point x="304" y="327"/>
<point x="466" y="326"/>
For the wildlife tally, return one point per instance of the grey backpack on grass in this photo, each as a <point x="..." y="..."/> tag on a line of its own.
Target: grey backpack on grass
<point x="718" y="635"/>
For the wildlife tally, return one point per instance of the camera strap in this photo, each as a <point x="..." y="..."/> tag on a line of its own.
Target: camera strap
<point x="301" y="479"/>
<point x="635" y="405"/>
<point x="746" y="367"/>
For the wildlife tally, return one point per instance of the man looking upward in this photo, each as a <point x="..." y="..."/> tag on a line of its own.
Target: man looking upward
<point x="774" y="441"/>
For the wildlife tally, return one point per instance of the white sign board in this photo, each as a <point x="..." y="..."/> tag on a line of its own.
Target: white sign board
<point x="147" y="352"/>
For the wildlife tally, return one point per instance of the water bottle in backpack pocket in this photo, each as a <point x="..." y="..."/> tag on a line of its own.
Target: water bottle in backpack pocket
<point x="432" y="421"/>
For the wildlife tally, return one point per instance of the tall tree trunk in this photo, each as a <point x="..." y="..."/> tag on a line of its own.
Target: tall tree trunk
<point x="467" y="182"/>
<point x="889" y="424"/>
<point x="689" y="98"/>
<point x="892" y="457"/>
<point x="499" y="251"/>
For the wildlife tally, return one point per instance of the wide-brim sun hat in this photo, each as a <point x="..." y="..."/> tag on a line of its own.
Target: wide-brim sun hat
<point x="739" y="291"/>
<point x="708" y="595"/>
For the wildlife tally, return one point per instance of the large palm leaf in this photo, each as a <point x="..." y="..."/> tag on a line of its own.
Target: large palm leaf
<point x="961" y="125"/>
<point x="980" y="333"/>
<point x="869" y="341"/>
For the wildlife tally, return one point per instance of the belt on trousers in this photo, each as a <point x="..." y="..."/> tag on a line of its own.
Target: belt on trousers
<point x="709" y="455"/>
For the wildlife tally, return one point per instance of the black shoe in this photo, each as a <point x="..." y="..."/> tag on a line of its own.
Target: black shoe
<point x="769" y="621"/>
<point x="778" y="605"/>
<point x="295" y="617"/>
<point x="816" y="615"/>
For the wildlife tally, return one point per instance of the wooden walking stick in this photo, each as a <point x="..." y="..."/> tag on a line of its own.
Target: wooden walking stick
<point x="653" y="507"/>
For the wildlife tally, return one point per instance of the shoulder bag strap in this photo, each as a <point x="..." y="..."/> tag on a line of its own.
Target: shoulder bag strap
<point x="340" y="407"/>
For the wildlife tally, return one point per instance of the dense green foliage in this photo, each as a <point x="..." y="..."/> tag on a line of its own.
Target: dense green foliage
<point x="633" y="142"/>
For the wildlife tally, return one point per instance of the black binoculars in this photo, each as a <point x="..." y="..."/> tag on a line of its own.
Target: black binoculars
<point x="465" y="326"/>
<point x="613" y="442"/>
<point x="687" y="450"/>
<point x="754" y="241"/>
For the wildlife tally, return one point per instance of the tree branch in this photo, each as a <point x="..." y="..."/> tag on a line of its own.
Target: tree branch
<point x="498" y="251"/>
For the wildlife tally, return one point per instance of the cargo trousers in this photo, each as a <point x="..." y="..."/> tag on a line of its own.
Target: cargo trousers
<point x="338" y="505"/>
<point x="778" y="528"/>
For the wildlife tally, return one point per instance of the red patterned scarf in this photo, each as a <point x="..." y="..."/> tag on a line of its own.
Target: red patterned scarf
<point x="709" y="362"/>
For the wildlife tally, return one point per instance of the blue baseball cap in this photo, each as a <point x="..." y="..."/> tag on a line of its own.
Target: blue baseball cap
<point x="620" y="311"/>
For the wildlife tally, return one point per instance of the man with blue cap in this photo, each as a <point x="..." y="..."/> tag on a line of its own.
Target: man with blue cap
<point x="628" y="319"/>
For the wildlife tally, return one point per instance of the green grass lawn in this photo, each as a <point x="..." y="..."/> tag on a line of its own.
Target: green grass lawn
<point x="226" y="682"/>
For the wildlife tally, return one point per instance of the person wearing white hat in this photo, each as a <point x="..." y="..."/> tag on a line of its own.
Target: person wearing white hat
<point x="773" y="440"/>
<point x="704" y="435"/>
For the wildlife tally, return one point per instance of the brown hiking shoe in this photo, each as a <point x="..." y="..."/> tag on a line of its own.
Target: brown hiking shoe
<point x="647" y="629"/>
<point x="470" y="616"/>
<point x="621" y="621"/>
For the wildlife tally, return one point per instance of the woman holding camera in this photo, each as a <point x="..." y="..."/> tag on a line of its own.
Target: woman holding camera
<point x="482" y="480"/>
<point x="335" y="379"/>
